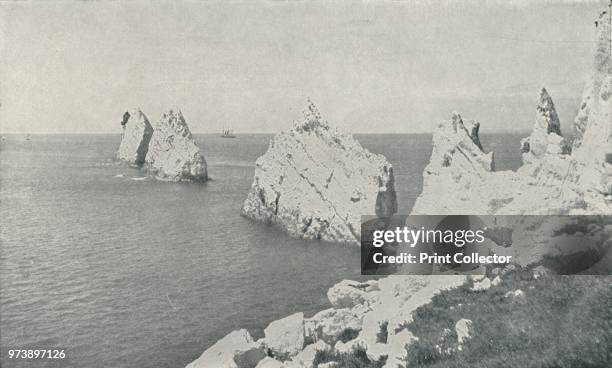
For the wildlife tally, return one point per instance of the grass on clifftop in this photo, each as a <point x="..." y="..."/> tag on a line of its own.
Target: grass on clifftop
<point x="559" y="322"/>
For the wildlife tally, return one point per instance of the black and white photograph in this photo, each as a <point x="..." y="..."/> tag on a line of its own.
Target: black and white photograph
<point x="306" y="184"/>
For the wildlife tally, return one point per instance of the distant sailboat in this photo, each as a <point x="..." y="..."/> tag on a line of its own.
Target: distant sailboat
<point x="227" y="133"/>
<point x="28" y="137"/>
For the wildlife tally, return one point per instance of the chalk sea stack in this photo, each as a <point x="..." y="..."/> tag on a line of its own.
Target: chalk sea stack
<point x="316" y="181"/>
<point x="167" y="151"/>
<point x="173" y="153"/>
<point x="137" y="132"/>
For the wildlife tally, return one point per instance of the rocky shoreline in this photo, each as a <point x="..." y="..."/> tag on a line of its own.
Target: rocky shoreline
<point x="371" y="319"/>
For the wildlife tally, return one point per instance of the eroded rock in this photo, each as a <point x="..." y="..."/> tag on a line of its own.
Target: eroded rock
<point x="285" y="337"/>
<point x="315" y="182"/>
<point x="137" y="132"/>
<point x="173" y="153"/>
<point x="236" y="350"/>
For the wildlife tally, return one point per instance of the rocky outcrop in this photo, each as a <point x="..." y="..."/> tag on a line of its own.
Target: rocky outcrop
<point x="236" y="350"/>
<point x="546" y="137"/>
<point x="348" y="293"/>
<point x="464" y="328"/>
<point x="285" y="337"/>
<point x="552" y="181"/>
<point x="173" y="153"/>
<point x="137" y="132"/>
<point x="315" y="182"/>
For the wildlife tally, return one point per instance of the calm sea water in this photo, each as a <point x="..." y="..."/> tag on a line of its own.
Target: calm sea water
<point x="128" y="272"/>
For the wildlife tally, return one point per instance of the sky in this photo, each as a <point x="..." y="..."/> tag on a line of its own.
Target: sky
<point x="370" y="66"/>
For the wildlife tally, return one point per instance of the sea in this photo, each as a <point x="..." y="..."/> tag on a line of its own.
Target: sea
<point x="124" y="271"/>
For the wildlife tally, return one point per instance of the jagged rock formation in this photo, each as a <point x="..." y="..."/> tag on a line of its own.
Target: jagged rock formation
<point x="316" y="181"/>
<point x="552" y="181"/>
<point x="236" y="350"/>
<point x="173" y="153"/>
<point x="137" y="132"/>
<point x="546" y="137"/>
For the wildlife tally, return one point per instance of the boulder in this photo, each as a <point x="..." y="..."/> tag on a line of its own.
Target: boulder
<point x="515" y="294"/>
<point x="348" y="293"/>
<point x="236" y="350"/>
<point x="397" y="348"/>
<point x="137" y="132"/>
<point x="315" y="182"/>
<point x="496" y="281"/>
<point x="268" y="362"/>
<point x="173" y="153"/>
<point x="483" y="285"/>
<point x="330" y="324"/>
<point x="285" y="337"/>
<point x="465" y="331"/>
<point x="305" y="359"/>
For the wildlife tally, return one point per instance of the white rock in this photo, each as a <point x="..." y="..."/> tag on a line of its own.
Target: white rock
<point x="347" y="347"/>
<point x="397" y="348"/>
<point x="236" y="350"/>
<point x="496" y="281"/>
<point x="137" y="132"/>
<point x="347" y="294"/>
<point x="305" y="359"/>
<point x="173" y="153"/>
<point x="268" y="362"/>
<point x="465" y="330"/>
<point x="329" y="365"/>
<point x="460" y="178"/>
<point x="540" y="271"/>
<point x="483" y="285"/>
<point x="515" y="294"/>
<point x="285" y="337"/>
<point x="329" y="324"/>
<point x="315" y="182"/>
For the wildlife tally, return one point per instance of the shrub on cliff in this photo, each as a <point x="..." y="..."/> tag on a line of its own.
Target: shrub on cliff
<point x="355" y="359"/>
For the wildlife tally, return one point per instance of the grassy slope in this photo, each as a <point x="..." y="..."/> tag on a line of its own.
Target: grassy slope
<point x="561" y="321"/>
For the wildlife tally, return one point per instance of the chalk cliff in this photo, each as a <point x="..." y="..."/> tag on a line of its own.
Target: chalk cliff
<point x="173" y="153"/>
<point x="459" y="178"/>
<point x="316" y="181"/>
<point x="554" y="179"/>
<point x="137" y="132"/>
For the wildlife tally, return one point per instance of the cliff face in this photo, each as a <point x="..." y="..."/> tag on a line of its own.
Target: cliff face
<point x="316" y="181"/>
<point x="551" y="181"/>
<point x="137" y="132"/>
<point x="601" y="70"/>
<point x="173" y="153"/>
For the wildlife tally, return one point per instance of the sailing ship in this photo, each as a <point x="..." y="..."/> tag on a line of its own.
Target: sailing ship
<point x="227" y="133"/>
